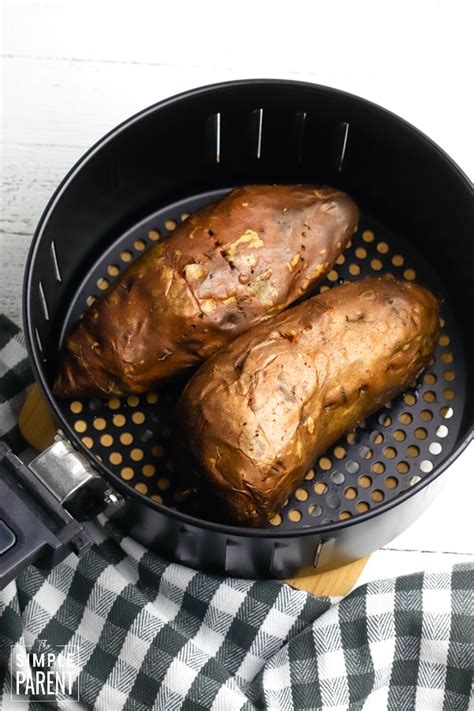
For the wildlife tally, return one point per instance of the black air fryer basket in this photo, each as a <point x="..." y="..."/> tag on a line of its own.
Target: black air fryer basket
<point x="132" y="188"/>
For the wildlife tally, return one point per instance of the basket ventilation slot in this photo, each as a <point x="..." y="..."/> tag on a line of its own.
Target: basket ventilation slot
<point x="259" y="114"/>
<point x="214" y="129"/>
<point x="43" y="301"/>
<point x="342" y="135"/>
<point x="39" y="341"/>
<point x="300" y="128"/>
<point x="54" y="258"/>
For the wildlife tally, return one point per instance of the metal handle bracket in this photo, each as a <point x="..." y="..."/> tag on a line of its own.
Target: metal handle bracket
<point x="42" y="507"/>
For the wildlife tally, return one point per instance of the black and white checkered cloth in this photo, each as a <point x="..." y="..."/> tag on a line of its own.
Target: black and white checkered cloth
<point x="150" y="634"/>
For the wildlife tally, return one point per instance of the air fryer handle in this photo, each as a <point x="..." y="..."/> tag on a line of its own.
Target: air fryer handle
<point x="34" y="527"/>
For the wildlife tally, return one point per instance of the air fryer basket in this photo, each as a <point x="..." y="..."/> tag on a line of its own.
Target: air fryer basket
<point x="416" y="221"/>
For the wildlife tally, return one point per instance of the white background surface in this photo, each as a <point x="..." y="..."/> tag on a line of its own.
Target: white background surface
<point x="72" y="70"/>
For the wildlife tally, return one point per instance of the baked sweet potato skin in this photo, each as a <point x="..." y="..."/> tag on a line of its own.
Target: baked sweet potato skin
<point x="225" y="269"/>
<point x="258" y="413"/>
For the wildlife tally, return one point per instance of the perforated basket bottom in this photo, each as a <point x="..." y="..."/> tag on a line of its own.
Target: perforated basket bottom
<point x="389" y="453"/>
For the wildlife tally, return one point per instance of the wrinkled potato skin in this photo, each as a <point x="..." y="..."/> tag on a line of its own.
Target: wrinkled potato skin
<point x="224" y="270"/>
<point x="258" y="414"/>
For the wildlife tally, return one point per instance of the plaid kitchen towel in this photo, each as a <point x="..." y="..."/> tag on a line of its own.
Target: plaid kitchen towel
<point x="144" y="633"/>
<point x="15" y="376"/>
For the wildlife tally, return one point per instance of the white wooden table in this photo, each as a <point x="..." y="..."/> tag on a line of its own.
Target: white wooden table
<point x="72" y="70"/>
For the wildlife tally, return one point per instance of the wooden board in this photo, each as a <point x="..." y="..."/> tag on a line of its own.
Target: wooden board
<point x="38" y="428"/>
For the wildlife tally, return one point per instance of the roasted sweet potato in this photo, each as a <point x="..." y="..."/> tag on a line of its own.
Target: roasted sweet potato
<point x="225" y="269"/>
<point x="257" y="414"/>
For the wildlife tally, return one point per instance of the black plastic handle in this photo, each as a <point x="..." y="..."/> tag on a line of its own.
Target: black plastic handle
<point x="34" y="527"/>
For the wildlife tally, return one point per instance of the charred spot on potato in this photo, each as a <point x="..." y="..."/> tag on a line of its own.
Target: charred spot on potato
<point x="288" y="335"/>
